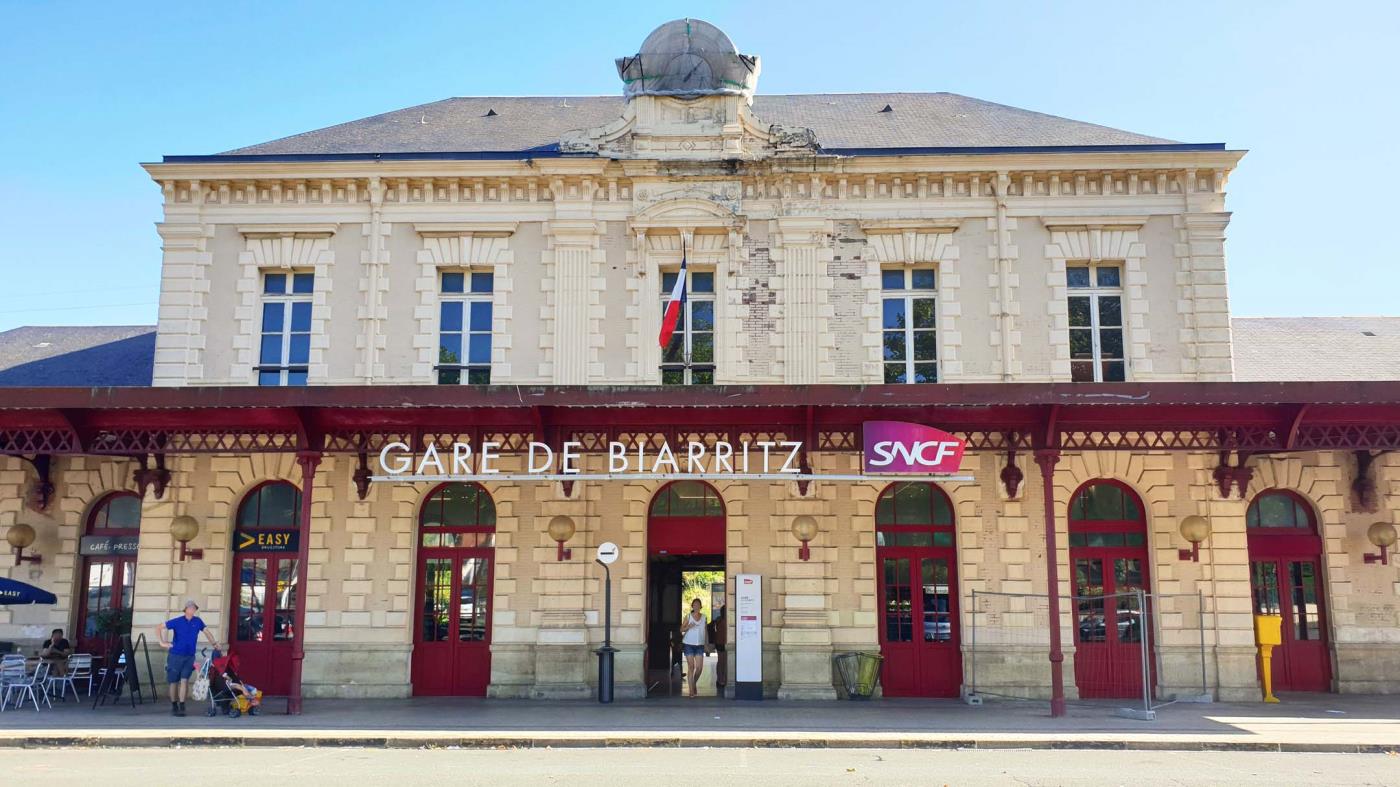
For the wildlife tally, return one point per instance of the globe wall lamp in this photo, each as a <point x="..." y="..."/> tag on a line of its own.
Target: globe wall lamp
<point x="20" y="536"/>
<point x="1194" y="529"/>
<point x="1382" y="536"/>
<point x="183" y="529"/>
<point x="804" y="529"/>
<point x="561" y="529"/>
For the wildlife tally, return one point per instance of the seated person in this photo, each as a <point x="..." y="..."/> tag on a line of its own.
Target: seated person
<point x="56" y="651"/>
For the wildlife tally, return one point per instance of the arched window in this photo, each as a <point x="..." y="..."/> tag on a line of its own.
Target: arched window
<point x="119" y="511"/>
<point x="1106" y="514"/>
<point x="458" y="515"/>
<point x="1279" y="510"/>
<point x="275" y="504"/>
<point x="913" y="514"/>
<point x="687" y="498"/>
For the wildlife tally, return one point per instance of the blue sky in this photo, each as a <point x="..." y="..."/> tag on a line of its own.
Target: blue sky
<point x="92" y="89"/>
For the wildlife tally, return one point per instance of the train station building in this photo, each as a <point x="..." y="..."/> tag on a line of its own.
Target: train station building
<point x="384" y="347"/>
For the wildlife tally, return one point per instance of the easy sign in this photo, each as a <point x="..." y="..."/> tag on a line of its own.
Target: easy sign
<point x="900" y="447"/>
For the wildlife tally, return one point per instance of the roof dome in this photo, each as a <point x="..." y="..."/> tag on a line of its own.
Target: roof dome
<point x="688" y="58"/>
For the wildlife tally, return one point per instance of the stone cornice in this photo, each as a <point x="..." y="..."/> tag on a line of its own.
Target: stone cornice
<point x="878" y="226"/>
<point x="483" y="228"/>
<point x="282" y="230"/>
<point x="1092" y="222"/>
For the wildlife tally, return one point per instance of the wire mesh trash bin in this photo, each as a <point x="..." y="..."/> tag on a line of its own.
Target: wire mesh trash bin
<point x="859" y="673"/>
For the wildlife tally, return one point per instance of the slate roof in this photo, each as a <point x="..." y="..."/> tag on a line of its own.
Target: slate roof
<point x="86" y="356"/>
<point x="842" y="121"/>
<point x="1296" y="349"/>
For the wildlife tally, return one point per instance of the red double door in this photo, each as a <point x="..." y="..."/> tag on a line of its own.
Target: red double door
<point x="264" y="626"/>
<point x="452" y="643"/>
<point x="919" y="636"/>
<point x="1110" y="631"/>
<point x="1290" y="585"/>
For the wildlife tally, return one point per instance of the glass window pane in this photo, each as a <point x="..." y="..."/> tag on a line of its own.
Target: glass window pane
<point x="479" y="349"/>
<point x="303" y="283"/>
<point x="923" y="313"/>
<point x="894" y="313"/>
<point x="925" y="372"/>
<point x="702" y="315"/>
<point x="1111" y="343"/>
<point x="437" y="591"/>
<point x="299" y="349"/>
<point x="1108" y="276"/>
<point x="702" y="282"/>
<point x="925" y="346"/>
<point x="896" y="373"/>
<point x="269" y="378"/>
<point x="702" y="348"/>
<point x="1077" y="275"/>
<point x="451" y="316"/>
<point x="296" y="378"/>
<point x="675" y="351"/>
<point x="892" y="280"/>
<point x="894" y="346"/>
<point x="1264" y="583"/>
<point x="668" y="283"/>
<point x="1110" y="311"/>
<point x="450" y="348"/>
<point x="483" y="282"/>
<point x="478" y="376"/>
<point x="123" y="511"/>
<point x="481" y="316"/>
<point x="923" y="279"/>
<point x="1079" y="314"/>
<point x="1081" y="371"/>
<point x="673" y="377"/>
<point x="301" y="316"/>
<point x="1114" y="372"/>
<point x="252" y="589"/>
<point x="275" y="283"/>
<point x="1304" y="597"/>
<point x="913" y="504"/>
<point x="937" y="623"/>
<point x="270" y="351"/>
<point x="449" y="376"/>
<point x="1081" y="343"/>
<point x="453" y="282"/>
<point x="272" y="317"/>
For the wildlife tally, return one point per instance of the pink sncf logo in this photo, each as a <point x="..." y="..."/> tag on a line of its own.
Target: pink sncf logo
<point x="899" y="447"/>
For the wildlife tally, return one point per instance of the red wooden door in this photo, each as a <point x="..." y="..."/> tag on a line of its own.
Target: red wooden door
<point x="1109" y="628"/>
<point x="452" y="646"/>
<point x="919" y="632"/>
<point x="1291" y="587"/>
<point x="108" y="585"/>
<point x="264" y="587"/>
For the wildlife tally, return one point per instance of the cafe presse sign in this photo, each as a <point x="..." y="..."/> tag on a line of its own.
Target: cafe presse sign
<point x="891" y="448"/>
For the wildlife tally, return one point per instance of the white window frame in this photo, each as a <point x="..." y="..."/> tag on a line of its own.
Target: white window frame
<point x="1094" y="293"/>
<point x="467" y="297"/>
<point x="688" y="366"/>
<point x="908" y="295"/>
<point x="284" y="367"/>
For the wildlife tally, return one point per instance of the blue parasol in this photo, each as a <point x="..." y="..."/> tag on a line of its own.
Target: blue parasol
<point x="14" y="592"/>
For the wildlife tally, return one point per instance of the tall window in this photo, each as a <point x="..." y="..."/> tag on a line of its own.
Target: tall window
<point x="464" y="328"/>
<point x="285" y="350"/>
<point x="1096" y="323"/>
<point x="910" y="338"/>
<point x="690" y="357"/>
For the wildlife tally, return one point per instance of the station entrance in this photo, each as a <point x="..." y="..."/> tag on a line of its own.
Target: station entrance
<point x="685" y="561"/>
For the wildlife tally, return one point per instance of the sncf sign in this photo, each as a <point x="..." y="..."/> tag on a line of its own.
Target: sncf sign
<point x="899" y="447"/>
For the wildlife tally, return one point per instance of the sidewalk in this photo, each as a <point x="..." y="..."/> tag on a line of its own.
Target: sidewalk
<point x="1327" y="723"/>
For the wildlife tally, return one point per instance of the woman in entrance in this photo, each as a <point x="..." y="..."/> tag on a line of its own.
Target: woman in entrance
<point x="693" y="643"/>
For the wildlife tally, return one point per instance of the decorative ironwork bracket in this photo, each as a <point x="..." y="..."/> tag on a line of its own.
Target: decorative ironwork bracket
<point x="362" y="476"/>
<point x="41" y="494"/>
<point x="145" y="477"/>
<point x="1237" y="476"/>
<point x="1363" y="486"/>
<point x="1011" y="475"/>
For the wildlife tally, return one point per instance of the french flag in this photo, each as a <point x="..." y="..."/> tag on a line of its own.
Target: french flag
<point x="673" y="307"/>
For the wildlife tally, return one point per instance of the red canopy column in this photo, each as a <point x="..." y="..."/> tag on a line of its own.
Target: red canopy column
<point x="1047" y="461"/>
<point x="309" y="461"/>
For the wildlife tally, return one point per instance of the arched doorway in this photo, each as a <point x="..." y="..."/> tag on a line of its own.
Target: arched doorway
<point x="917" y="563"/>
<point x="1285" y="576"/>
<point x="108" y="546"/>
<point x="685" y="543"/>
<point x="1109" y="562"/>
<point x="452" y="633"/>
<point x="265" y="540"/>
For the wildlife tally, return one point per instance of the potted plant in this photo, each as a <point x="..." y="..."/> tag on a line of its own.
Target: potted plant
<point x="111" y="623"/>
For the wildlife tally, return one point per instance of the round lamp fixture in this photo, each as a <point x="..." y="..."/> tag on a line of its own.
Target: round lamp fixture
<point x="804" y="529"/>
<point x="1382" y="536"/>
<point x="561" y="529"/>
<point x="20" y="536"/>
<point x="1194" y="529"/>
<point x="183" y="529"/>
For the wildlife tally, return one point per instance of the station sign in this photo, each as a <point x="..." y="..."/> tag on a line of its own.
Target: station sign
<point x="901" y="447"/>
<point x="102" y="546"/>
<point x="265" y="540"/>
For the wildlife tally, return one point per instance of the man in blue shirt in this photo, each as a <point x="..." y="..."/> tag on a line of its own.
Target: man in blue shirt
<point x="179" y="664"/>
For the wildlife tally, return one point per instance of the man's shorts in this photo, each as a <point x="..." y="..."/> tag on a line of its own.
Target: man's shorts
<point x="693" y="650"/>
<point x="178" y="667"/>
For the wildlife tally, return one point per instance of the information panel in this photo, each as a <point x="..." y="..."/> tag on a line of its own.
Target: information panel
<point x="748" y="637"/>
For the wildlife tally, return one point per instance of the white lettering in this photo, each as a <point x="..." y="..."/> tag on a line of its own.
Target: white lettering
<point x="788" y="467"/>
<point x="664" y="456"/>
<point x="694" y="455"/>
<point x="723" y="453"/>
<point x="401" y="463"/>
<point x="430" y="457"/>
<point x="569" y="457"/>
<point x="766" y="446"/>
<point x="882" y="450"/>
<point x="548" y="458"/>
<point x="917" y="454"/>
<point x="617" y="457"/>
<point x="746" y="456"/>
<point x="488" y="455"/>
<point x="461" y="459"/>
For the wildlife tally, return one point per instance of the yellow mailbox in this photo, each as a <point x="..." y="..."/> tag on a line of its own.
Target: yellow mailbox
<point x="1268" y="632"/>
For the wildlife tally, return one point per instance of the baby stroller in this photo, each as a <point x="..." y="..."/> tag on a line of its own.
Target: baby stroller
<point x="228" y="693"/>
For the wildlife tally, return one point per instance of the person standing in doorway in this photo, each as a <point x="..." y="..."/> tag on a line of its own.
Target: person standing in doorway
<point x="718" y="634"/>
<point x="693" y="643"/>
<point x="179" y="664"/>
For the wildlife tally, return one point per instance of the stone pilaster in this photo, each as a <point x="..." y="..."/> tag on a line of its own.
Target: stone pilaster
<point x="804" y="243"/>
<point x="804" y="598"/>
<point x="570" y="259"/>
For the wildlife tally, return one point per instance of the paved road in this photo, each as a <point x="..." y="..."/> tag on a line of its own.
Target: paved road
<point x="672" y="767"/>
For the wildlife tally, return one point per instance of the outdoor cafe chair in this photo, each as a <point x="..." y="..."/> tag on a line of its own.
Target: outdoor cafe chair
<point x="37" y="680"/>
<point x="79" y="668"/>
<point x="12" y="673"/>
